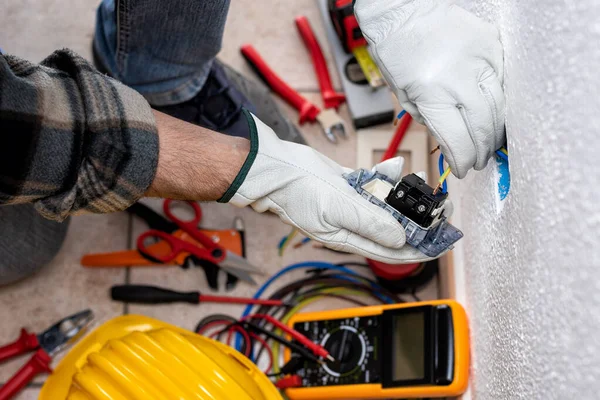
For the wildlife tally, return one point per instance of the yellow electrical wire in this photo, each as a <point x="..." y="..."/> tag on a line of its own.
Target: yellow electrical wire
<point x="502" y="149"/>
<point x="287" y="241"/>
<point x="441" y="180"/>
<point x="444" y="175"/>
<point x="275" y="348"/>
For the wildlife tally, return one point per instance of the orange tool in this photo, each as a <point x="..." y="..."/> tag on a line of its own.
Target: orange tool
<point x="231" y="239"/>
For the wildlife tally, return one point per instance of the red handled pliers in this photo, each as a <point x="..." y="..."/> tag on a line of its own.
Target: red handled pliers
<point x="45" y="345"/>
<point x="328" y="118"/>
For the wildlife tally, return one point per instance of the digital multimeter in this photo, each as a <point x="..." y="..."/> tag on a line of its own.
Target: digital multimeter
<point x="410" y="350"/>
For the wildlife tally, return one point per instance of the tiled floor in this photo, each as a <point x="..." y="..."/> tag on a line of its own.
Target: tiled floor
<point x="32" y="29"/>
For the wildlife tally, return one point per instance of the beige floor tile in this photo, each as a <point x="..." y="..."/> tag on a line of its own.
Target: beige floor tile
<point x="33" y="29"/>
<point x="269" y="26"/>
<point x="63" y="287"/>
<point x="28" y="394"/>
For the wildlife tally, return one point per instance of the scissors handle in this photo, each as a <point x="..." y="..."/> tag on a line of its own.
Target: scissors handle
<point x="24" y="344"/>
<point x="176" y="245"/>
<point x="193" y="223"/>
<point x="191" y="228"/>
<point x="39" y="363"/>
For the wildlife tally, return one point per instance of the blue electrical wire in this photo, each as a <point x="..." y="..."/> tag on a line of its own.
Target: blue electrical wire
<point x="501" y="155"/>
<point x="441" y="168"/>
<point x="401" y="114"/>
<point x="265" y="286"/>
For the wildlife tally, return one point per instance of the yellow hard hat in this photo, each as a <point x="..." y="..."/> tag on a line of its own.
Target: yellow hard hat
<point x="138" y="358"/>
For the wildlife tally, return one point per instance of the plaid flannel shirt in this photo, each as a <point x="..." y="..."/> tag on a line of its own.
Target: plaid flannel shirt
<point x="72" y="140"/>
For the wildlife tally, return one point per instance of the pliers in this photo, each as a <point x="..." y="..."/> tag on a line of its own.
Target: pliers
<point x="45" y="345"/>
<point x="330" y="121"/>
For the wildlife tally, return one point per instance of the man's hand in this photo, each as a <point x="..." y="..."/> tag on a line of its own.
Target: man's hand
<point x="445" y="65"/>
<point x="307" y="190"/>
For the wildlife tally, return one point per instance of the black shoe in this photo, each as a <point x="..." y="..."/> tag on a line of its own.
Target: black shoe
<point x="219" y="103"/>
<point x="218" y="106"/>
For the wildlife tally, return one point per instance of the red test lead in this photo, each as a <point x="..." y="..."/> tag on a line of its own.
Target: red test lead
<point x="318" y="350"/>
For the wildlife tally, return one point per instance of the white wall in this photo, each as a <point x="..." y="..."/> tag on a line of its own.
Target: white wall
<point x="531" y="272"/>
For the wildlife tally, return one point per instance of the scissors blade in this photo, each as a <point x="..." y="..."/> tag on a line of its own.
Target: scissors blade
<point x="233" y="261"/>
<point x="242" y="275"/>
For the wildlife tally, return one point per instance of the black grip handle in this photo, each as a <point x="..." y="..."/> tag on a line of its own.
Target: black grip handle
<point x="151" y="295"/>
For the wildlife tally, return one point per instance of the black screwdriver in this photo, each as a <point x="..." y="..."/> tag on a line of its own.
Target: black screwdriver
<point x="142" y="294"/>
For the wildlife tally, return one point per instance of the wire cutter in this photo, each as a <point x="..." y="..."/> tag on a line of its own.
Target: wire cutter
<point x="45" y="345"/>
<point x="205" y="250"/>
<point x="328" y="118"/>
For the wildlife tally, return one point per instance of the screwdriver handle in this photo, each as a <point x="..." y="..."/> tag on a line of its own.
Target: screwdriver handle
<point x="142" y="294"/>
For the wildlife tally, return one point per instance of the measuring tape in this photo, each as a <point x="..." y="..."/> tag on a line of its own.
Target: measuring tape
<point x="368" y="67"/>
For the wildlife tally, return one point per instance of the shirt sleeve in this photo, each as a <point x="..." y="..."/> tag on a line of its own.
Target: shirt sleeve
<point x="72" y="140"/>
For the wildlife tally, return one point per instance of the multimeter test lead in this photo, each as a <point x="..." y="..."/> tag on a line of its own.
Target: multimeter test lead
<point x="317" y="349"/>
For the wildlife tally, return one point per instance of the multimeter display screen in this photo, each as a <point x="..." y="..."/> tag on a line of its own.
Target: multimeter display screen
<point x="408" y="346"/>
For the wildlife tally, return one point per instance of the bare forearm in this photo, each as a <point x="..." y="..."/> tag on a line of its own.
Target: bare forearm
<point x="195" y="163"/>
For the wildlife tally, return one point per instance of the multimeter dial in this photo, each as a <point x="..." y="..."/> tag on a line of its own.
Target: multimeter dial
<point x="352" y="342"/>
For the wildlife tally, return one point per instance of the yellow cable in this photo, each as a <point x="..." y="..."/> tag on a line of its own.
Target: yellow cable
<point x="502" y="149"/>
<point x="444" y="176"/>
<point x="275" y="348"/>
<point x="288" y="239"/>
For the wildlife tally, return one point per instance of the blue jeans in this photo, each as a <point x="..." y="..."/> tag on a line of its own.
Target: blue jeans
<point x="162" y="48"/>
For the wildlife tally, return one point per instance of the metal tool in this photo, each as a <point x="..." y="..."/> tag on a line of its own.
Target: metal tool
<point x="210" y="252"/>
<point x="331" y="123"/>
<point x="45" y="345"/>
<point x="143" y="294"/>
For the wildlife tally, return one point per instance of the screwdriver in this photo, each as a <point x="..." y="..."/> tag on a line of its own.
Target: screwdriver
<point x="142" y="294"/>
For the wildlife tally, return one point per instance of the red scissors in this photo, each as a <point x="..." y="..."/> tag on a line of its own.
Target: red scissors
<point x="45" y="345"/>
<point x="206" y="250"/>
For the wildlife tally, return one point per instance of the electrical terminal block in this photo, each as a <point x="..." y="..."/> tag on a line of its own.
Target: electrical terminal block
<point x="412" y="202"/>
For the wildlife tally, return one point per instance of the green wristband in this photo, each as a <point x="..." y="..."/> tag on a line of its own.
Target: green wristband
<point x="241" y="176"/>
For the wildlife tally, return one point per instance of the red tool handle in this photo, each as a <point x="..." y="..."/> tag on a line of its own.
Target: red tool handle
<point x="398" y="136"/>
<point x="191" y="228"/>
<point x="238" y="300"/>
<point x="177" y="246"/>
<point x="39" y="363"/>
<point x="331" y="99"/>
<point x="308" y="111"/>
<point x="24" y="344"/>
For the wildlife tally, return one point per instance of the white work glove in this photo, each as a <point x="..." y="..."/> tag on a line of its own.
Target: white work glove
<point x="446" y="67"/>
<point x="307" y="190"/>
